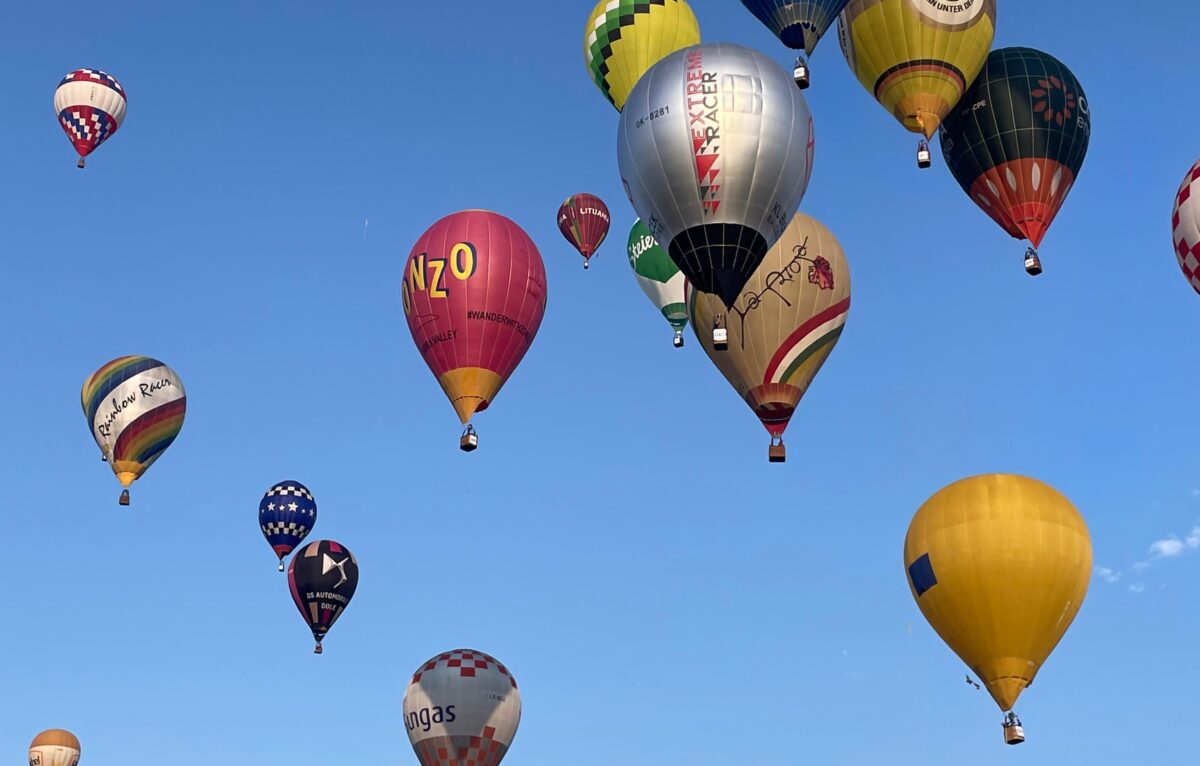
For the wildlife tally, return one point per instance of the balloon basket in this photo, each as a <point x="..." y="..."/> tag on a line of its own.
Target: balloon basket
<point x="1014" y="733"/>
<point x="319" y="649"/>
<point x="280" y="565"/>
<point x="469" y="441"/>
<point x="124" y="497"/>
<point x="585" y="265"/>
<point x="924" y="157"/>
<point x="800" y="74"/>
<point x="777" y="453"/>
<point x="678" y="340"/>
<point x="80" y="163"/>
<point x="1033" y="264"/>
<point x="720" y="338"/>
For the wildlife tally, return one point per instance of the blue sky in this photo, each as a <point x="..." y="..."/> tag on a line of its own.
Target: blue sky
<point x="660" y="592"/>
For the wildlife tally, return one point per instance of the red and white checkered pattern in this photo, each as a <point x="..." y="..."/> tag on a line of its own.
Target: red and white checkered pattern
<point x="468" y="663"/>
<point x="1185" y="226"/>
<point x="461" y="751"/>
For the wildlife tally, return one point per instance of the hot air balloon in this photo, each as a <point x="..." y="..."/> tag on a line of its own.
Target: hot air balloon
<point x="474" y="293"/>
<point x="783" y="326"/>
<point x="583" y="220"/>
<point x="90" y="105"/>
<point x="999" y="565"/>
<point x="323" y="577"/>
<point x="715" y="149"/>
<point x="1017" y="140"/>
<point x="54" y="747"/>
<point x="286" y="515"/>
<point x="1185" y="226"/>
<point x="799" y="24"/>
<point x="917" y="57"/>
<point x="462" y="707"/>
<point x="659" y="277"/>
<point x="624" y="38"/>
<point x="135" y="407"/>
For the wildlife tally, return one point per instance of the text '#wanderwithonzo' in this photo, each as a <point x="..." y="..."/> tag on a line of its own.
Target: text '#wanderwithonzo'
<point x="507" y="321"/>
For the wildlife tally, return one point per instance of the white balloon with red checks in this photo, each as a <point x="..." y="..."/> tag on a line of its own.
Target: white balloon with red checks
<point x="1185" y="226"/>
<point x="462" y="707"/>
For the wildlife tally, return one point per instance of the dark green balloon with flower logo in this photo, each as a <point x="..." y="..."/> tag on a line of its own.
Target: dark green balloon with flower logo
<point x="1017" y="139"/>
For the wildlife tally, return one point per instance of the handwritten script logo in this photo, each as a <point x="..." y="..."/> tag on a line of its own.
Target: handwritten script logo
<point x="820" y="273"/>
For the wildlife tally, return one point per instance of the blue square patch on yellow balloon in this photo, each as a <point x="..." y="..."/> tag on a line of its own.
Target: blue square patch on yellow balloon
<point x="920" y="572"/>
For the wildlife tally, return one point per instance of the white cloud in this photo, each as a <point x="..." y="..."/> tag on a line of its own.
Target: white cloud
<point x="1167" y="547"/>
<point x="1137" y="587"/>
<point x="1107" y="575"/>
<point x="1172" y="546"/>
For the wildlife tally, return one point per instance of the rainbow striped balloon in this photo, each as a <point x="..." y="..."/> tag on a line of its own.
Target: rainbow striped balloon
<point x="135" y="407"/>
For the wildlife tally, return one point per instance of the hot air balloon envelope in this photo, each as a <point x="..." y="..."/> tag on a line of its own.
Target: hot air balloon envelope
<point x="474" y="293"/>
<point x="90" y="105"/>
<point x="624" y="38"/>
<point x="914" y="56"/>
<point x="323" y="576"/>
<point x="1017" y="140"/>
<point x="1185" y="226"/>
<point x="135" y="407"/>
<point x="784" y="324"/>
<point x="583" y="219"/>
<point x="658" y="276"/>
<point x="54" y="747"/>
<point x="999" y="565"/>
<point x="715" y="149"/>
<point x="798" y="24"/>
<point x="286" y="515"/>
<point x="462" y="706"/>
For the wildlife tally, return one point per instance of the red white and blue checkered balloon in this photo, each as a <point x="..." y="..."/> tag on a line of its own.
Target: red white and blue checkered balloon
<point x="286" y="515"/>
<point x="90" y="105"/>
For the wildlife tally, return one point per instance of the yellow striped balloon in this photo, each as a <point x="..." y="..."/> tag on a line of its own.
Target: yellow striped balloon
<point x="999" y="565"/>
<point x="917" y="56"/>
<point x="624" y="38"/>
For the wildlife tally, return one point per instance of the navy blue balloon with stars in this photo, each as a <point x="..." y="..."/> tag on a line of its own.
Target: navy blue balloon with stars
<point x="286" y="515"/>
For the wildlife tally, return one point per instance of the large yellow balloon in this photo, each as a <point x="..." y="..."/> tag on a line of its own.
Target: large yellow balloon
<point x="624" y="38"/>
<point x="783" y="325"/>
<point x="917" y="56"/>
<point x="999" y="565"/>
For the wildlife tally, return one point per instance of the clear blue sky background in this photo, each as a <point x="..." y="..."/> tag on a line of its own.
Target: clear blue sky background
<point x="662" y="594"/>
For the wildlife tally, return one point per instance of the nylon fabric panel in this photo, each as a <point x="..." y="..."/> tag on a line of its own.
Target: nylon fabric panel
<point x="584" y="219"/>
<point x="917" y="57"/>
<point x="784" y="325"/>
<point x="135" y="407"/>
<point x="1185" y="226"/>
<point x="90" y="105"/>
<point x="715" y="149"/>
<point x="657" y="275"/>
<point x="54" y="747"/>
<point x="798" y="25"/>
<point x="624" y="38"/>
<point x="322" y="578"/>
<point x="474" y="294"/>
<point x="286" y="514"/>
<point x="1018" y="140"/>
<point x="461" y="706"/>
<point x="1012" y="559"/>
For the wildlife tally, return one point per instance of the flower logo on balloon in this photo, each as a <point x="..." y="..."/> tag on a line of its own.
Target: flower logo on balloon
<point x="821" y="273"/>
<point x="1046" y="96"/>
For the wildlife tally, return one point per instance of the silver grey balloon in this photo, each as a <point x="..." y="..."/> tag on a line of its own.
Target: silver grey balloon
<point x="715" y="147"/>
